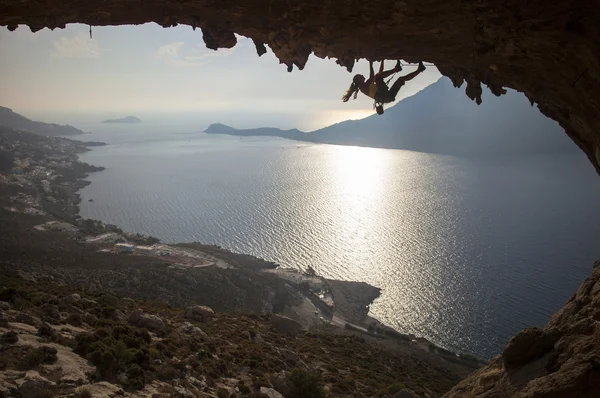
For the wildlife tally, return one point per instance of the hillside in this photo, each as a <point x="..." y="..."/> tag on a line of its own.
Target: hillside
<point x="441" y="119"/>
<point x="81" y="318"/>
<point x="13" y="120"/>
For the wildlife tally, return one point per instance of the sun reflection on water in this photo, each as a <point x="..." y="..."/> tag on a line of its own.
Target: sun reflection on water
<point x="358" y="182"/>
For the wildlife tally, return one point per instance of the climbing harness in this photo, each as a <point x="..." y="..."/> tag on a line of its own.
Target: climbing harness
<point x="387" y="83"/>
<point x="376" y="103"/>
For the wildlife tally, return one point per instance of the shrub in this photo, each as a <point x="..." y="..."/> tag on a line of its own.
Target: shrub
<point x="304" y="384"/>
<point x="9" y="338"/>
<point x="222" y="393"/>
<point x="135" y="377"/>
<point x="40" y="355"/>
<point x="391" y="389"/>
<point x="74" y="319"/>
<point x="244" y="389"/>
<point x="118" y="349"/>
<point x="84" y="393"/>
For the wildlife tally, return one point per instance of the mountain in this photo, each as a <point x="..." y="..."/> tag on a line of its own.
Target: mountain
<point x="442" y="119"/>
<point x="127" y="119"/>
<point x="13" y="120"/>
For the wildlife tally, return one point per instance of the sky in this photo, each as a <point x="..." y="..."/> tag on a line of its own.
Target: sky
<point x="154" y="73"/>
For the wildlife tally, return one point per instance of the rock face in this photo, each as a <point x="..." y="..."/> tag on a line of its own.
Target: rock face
<point x="199" y="313"/>
<point x="151" y="322"/>
<point x="284" y="325"/>
<point x="548" y="51"/>
<point x="33" y="385"/>
<point x="562" y="360"/>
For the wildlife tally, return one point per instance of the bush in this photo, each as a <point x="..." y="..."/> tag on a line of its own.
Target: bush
<point x="244" y="389"/>
<point x="222" y="393"/>
<point x="84" y="393"/>
<point x="9" y="338"/>
<point x="119" y="349"/>
<point x="304" y="384"/>
<point x="391" y="389"/>
<point x="74" y="319"/>
<point x="38" y="356"/>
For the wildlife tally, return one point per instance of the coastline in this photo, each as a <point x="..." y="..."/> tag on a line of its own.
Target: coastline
<point x="257" y="285"/>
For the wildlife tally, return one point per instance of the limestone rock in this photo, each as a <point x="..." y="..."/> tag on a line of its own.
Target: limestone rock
<point x="188" y="328"/>
<point x="279" y="382"/>
<point x="527" y="345"/>
<point x="271" y="393"/>
<point x="90" y="319"/>
<point x="100" y="390"/>
<point x="151" y="322"/>
<point x="199" y="313"/>
<point x="118" y="315"/>
<point x="33" y="385"/>
<point x="284" y="325"/>
<point x="70" y="299"/>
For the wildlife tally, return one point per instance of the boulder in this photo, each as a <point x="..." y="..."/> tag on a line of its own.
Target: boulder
<point x="4" y="306"/>
<point x="101" y="389"/>
<point x="279" y="382"/>
<point x="284" y="325"/>
<point x="118" y="315"/>
<point x="271" y="393"/>
<point x="199" y="313"/>
<point x="33" y="385"/>
<point x="109" y="300"/>
<point x="70" y="299"/>
<point x="529" y="344"/>
<point x="188" y="328"/>
<point x="28" y="319"/>
<point x="150" y="322"/>
<point x="87" y="303"/>
<point x="90" y="319"/>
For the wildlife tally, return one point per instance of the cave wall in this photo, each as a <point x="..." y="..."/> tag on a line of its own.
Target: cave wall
<point x="549" y="50"/>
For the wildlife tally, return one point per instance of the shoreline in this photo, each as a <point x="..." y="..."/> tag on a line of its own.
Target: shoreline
<point x="317" y="302"/>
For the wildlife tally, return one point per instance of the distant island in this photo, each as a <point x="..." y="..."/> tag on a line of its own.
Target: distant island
<point x="127" y="119"/>
<point x="440" y="119"/>
<point x="13" y="120"/>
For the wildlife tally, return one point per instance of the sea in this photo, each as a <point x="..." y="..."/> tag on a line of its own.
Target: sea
<point x="467" y="251"/>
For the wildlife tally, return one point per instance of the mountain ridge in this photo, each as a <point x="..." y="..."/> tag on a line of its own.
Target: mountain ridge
<point x="11" y="119"/>
<point x="439" y="119"/>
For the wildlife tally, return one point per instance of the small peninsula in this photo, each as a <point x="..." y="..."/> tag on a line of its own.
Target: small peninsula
<point x="127" y="119"/>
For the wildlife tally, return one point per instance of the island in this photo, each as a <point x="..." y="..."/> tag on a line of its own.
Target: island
<point x="127" y="119"/>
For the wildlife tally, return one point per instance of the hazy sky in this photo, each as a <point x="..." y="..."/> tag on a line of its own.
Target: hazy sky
<point x="153" y="72"/>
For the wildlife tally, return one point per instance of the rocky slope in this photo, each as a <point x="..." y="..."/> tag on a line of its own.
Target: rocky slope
<point x="549" y="51"/>
<point x="59" y="341"/>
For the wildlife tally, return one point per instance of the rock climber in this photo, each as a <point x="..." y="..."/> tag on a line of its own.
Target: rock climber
<point x="376" y="88"/>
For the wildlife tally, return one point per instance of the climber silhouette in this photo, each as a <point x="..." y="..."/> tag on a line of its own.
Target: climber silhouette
<point x="376" y="88"/>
